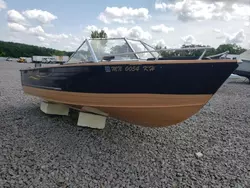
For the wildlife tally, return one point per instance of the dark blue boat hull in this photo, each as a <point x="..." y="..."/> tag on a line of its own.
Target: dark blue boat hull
<point x="179" y="78"/>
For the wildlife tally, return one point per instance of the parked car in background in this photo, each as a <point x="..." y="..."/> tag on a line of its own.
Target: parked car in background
<point x="21" y="60"/>
<point x="9" y="59"/>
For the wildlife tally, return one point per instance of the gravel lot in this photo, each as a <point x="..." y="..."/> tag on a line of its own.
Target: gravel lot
<point x="38" y="150"/>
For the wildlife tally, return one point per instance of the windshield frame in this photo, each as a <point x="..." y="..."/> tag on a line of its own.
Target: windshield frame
<point x="132" y="54"/>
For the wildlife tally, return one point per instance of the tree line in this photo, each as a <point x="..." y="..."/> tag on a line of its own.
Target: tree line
<point x="16" y="50"/>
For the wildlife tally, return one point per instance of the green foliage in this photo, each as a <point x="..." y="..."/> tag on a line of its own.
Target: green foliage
<point x="99" y="45"/>
<point x="97" y="34"/>
<point x="2" y="54"/>
<point x="16" y="50"/>
<point x="232" y="48"/>
<point x="119" y="49"/>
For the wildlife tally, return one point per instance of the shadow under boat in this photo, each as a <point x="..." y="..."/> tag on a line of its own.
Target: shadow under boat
<point x="128" y="80"/>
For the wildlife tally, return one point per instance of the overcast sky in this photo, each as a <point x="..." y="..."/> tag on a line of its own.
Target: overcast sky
<point x="64" y="24"/>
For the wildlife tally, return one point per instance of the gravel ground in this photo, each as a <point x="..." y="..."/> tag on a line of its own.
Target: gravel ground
<point x="38" y="150"/>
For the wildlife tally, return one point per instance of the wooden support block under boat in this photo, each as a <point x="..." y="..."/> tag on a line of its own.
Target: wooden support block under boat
<point x="54" y="108"/>
<point x="91" y="120"/>
<point x="152" y="110"/>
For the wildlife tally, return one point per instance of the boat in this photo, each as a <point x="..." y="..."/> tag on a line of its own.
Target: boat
<point x="244" y="65"/>
<point x="130" y="81"/>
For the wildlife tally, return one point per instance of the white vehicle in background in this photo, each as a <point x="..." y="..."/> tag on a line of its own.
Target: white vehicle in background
<point x="9" y="59"/>
<point x="48" y="60"/>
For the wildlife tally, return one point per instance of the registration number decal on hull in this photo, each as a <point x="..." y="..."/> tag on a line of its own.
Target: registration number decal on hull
<point x="130" y="68"/>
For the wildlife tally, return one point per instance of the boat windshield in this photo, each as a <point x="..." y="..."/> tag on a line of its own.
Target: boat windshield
<point x="117" y="49"/>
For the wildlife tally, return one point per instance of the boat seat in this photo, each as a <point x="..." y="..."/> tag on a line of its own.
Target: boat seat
<point x="108" y="58"/>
